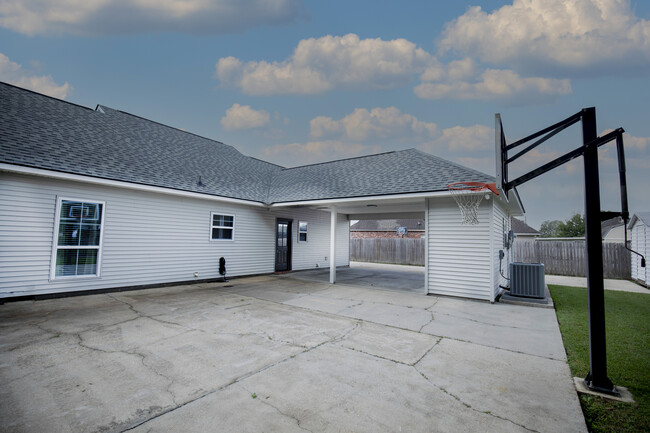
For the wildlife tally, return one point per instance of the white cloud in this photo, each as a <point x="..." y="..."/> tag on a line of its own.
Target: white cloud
<point x="329" y="62"/>
<point x="32" y="17"/>
<point x="294" y="154"/>
<point x="378" y="123"/>
<point x="558" y="36"/>
<point x="476" y="137"/>
<point x="13" y="73"/>
<point x="244" y="117"/>
<point x="457" y="82"/>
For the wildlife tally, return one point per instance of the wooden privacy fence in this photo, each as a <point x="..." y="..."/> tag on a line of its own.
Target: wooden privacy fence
<point x="568" y="257"/>
<point x="400" y="251"/>
<point x="560" y="257"/>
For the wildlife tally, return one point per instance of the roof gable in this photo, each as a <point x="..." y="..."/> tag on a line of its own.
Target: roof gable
<point x="644" y="217"/>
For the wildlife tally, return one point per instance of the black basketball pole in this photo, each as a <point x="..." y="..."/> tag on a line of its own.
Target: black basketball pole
<point x="597" y="378"/>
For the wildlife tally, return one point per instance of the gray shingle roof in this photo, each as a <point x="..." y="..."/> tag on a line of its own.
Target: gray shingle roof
<point x="47" y="133"/>
<point x="406" y="171"/>
<point x="518" y="226"/>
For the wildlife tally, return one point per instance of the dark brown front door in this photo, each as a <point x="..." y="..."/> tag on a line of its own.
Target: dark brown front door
<point x="282" y="245"/>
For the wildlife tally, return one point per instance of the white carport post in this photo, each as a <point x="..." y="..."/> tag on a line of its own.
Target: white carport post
<point x="332" y="244"/>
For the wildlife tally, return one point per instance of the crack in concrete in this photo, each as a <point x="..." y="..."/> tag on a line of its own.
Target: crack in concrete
<point x="427" y="352"/>
<point x="429" y="322"/>
<point x="486" y="323"/>
<point x="267" y="403"/>
<point x="142" y="358"/>
<point x="469" y="406"/>
<point x="242" y="377"/>
<point x="141" y="314"/>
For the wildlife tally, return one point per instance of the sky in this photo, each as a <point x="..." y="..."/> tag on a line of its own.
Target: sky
<point x="298" y="82"/>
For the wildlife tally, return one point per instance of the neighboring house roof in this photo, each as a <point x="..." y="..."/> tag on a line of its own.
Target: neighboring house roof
<point x="521" y="228"/>
<point x="42" y="132"/>
<point x="387" y="225"/>
<point x="610" y="224"/>
<point x="640" y="216"/>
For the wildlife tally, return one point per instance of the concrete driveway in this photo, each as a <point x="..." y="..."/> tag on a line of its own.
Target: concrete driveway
<point x="282" y="354"/>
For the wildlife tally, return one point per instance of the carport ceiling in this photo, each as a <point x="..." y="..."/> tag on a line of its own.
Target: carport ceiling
<point x="412" y="207"/>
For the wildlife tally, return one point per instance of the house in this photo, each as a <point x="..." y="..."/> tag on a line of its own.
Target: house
<point x="412" y="228"/>
<point x="639" y="227"/>
<point x="613" y="230"/>
<point x="522" y="231"/>
<point x="102" y="199"/>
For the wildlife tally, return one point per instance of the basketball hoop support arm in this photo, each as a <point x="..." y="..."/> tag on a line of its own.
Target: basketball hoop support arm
<point x="597" y="379"/>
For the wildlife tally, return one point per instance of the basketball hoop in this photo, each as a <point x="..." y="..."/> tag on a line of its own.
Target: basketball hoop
<point x="468" y="196"/>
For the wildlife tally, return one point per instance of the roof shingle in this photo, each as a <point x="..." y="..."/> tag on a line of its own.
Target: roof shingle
<point x="43" y="132"/>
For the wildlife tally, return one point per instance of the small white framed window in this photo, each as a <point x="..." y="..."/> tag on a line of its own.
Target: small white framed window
<point x="302" y="231"/>
<point x="222" y="227"/>
<point x="78" y="234"/>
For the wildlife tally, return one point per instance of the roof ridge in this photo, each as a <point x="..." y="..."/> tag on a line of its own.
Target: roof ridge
<point x="453" y="163"/>
<point x="46" y="96"/>
<point x="342" y="159"/>
<point x="267" y="162"/>
<point x="168" y="126"/>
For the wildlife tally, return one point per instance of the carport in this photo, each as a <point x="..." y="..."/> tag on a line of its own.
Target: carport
<point x="400" y="206"/>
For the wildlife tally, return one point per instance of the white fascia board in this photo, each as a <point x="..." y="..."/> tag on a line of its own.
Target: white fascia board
<point x="335" y="201"/>
<point x="10" y="168"/>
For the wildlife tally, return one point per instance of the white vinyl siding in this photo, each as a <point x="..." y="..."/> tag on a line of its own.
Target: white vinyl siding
<point x="458" y="254"/>
<point x="499" y="219"/>
<point x="149" y="238"/>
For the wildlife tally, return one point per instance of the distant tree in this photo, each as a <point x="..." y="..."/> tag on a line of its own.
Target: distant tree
<point x="549" y="229"/>
<point x="573" y="227"/>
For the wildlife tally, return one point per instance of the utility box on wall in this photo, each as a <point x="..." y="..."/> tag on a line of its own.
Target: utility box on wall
<point x="527" y="280"/>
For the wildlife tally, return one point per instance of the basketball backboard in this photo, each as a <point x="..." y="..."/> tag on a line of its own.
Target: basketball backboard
<point x="501" y="156"/>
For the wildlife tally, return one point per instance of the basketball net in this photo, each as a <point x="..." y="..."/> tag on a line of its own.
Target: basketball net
<point x="468" y="196"/>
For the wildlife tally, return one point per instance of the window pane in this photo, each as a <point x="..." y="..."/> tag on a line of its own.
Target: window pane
<point x="76" y="262"/>
<point x="221" y="233"/>
<point x="72" y="230"/>
<point x="66" y="263"/>
<point x="90" y="234"/>
<point x="87" y="262"/>
<point x="69" y="234"/>
<point x="303" y="237"/>
<point x="303" y="226"/>
<point x="222" y="220"/>
<point x="70" y="210"/>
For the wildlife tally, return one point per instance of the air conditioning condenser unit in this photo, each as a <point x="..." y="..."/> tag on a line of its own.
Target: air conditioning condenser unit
<point x="527" y="280"/>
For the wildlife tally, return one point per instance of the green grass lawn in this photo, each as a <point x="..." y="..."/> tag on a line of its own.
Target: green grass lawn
<point x="627" y="320"/>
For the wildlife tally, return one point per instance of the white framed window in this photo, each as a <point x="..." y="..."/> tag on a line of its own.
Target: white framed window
<point x="302" y="231"/>
<point x="222" y="227"/>
<point x="78" y="234"/>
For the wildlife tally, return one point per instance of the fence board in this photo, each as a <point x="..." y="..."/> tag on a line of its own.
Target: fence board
<point x="568" y="257"/>
<point x="401" y="251"/>
<point x="561" y="257"/>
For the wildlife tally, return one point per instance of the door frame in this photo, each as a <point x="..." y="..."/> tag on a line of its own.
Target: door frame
<point x="289" y="243"/>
